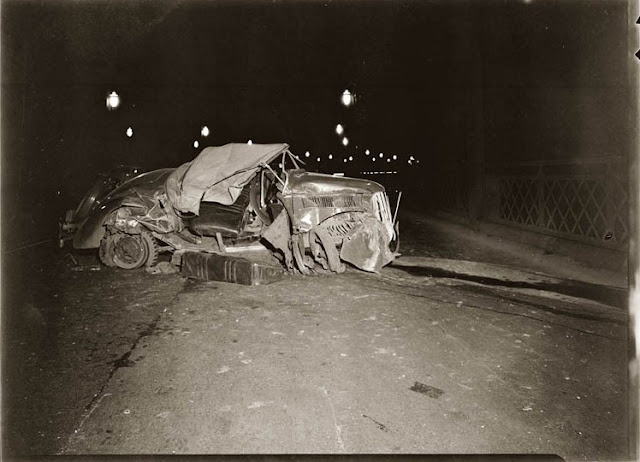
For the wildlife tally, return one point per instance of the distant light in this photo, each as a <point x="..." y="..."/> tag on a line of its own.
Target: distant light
<point x="381" y="155"/>
<point x="347" y="98"/>
<point x="318" y="159"/>
<point x="350" y="158"/>
<point x="367" y="152"/>
<point x="395" y="157"/>
<point x="196" y="144"/>
<point x="205" y="131"/>
<point x="345" y="141"/>
<point x="307" y="154"/>
<point x="113" y="101"/>
<point x="339" y="129"/>
<point x="249" y="142"/>
<point x="330" y="156"/>
<point x="373" y="159"/>
<point x="129" y="132"/>
<point x="344" y="160"/>
<point x="388" y="159"/>
<point x="411" y="158"/>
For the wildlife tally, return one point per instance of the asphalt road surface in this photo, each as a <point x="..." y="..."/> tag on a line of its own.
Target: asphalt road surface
<point x="463" y="345"/>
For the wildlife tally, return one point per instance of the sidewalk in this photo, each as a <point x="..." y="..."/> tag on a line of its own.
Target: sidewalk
<point x="435" y="236"/>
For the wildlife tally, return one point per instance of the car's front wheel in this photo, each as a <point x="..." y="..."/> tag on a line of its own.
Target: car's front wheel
<point x="129" y="251"/>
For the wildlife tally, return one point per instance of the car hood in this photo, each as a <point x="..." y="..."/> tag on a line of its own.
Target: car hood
<point x="302" y="182"/>
<point x="218" y="174"/>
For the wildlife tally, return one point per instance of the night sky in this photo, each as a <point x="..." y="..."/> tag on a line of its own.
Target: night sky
<point x="453" y="81"/>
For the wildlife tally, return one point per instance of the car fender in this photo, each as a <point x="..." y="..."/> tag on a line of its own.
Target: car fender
<point x="91" y="231"/>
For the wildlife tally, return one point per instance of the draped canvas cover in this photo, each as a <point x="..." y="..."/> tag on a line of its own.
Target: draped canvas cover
<point x="218" y="174"/>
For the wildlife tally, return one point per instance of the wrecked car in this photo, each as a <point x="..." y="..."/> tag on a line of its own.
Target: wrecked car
<point x="243" y="196"/>
<point x="101" y="187"/>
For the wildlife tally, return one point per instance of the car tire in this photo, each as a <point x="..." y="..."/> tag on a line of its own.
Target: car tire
<point x="154" y="249"/>
<point x="129" y="251"/>
<point x="105" y="252"/>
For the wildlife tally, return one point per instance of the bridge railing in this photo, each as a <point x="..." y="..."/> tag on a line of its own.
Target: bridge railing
<point x="586" y="200"/>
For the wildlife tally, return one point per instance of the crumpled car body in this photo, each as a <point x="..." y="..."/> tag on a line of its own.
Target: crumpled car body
<point x="241" y="196"/>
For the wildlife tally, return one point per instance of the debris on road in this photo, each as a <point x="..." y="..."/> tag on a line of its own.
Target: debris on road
<point x="427" y="390"/>
<point x="164" y="267"/>
<point x="225" y="268"/>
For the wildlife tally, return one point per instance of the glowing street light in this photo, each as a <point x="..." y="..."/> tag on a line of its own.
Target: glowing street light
<point x="196" y="144"/>
<point x="129" y="132"/>
<point x="205" y="131"/>
<point x="367" y="152"/>
<point x="395" y="157"/>
<point x="345" y="141"/>
<point x="347" y="98"/>
<point x="381" y="155"/>
<point x="318" y="159"/>
<point x="249" y="142"/>
<point x="113" y="101"/>
<point x="330" y="156"/>
<point x="339" y="129"/>
<point x="350" y="158"/>
<point x="307" y="154"/>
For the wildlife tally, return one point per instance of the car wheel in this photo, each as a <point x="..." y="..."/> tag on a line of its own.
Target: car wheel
<point x="129" y="251"/>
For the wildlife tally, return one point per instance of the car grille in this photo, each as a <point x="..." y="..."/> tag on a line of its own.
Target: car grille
<point x="333" y="201"/>
<point x="383" y="211"/>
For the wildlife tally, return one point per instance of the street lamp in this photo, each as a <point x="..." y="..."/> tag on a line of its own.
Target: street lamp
<point x="339" y="129"/>
<point x="345" y="141"/>
<point x="347" y="98"/>
<point x="129" y="132"/>
<point x="205" y="131"/>
<point x="113" y="101"/>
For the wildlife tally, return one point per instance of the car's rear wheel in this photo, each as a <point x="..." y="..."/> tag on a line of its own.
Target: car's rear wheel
<point x="129" y="251"/>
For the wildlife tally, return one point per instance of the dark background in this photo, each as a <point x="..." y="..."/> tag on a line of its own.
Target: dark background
<point x="442" y="81"/>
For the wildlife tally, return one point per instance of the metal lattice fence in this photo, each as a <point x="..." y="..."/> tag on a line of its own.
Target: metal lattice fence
<point x="585" y="201"/>
<point x="590" y="205"/>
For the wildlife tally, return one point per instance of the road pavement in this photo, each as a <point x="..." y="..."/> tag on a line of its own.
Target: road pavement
<point x="449" y="350"/>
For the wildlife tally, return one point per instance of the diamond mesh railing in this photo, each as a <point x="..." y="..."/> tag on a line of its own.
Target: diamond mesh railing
<point x="579" y="200"/>
<point x="587" y="202"/>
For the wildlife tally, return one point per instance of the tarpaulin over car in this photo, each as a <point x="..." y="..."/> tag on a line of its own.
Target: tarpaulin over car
<point x="218" y="174"/>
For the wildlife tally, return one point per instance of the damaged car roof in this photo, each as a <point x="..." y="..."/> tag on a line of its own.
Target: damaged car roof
<point x="218" y="174"/>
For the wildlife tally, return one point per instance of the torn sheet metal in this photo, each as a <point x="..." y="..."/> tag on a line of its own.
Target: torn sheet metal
<point x="227" y="268"/>
<point x="367" y="247"/>
<point x="278" y="234"/>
